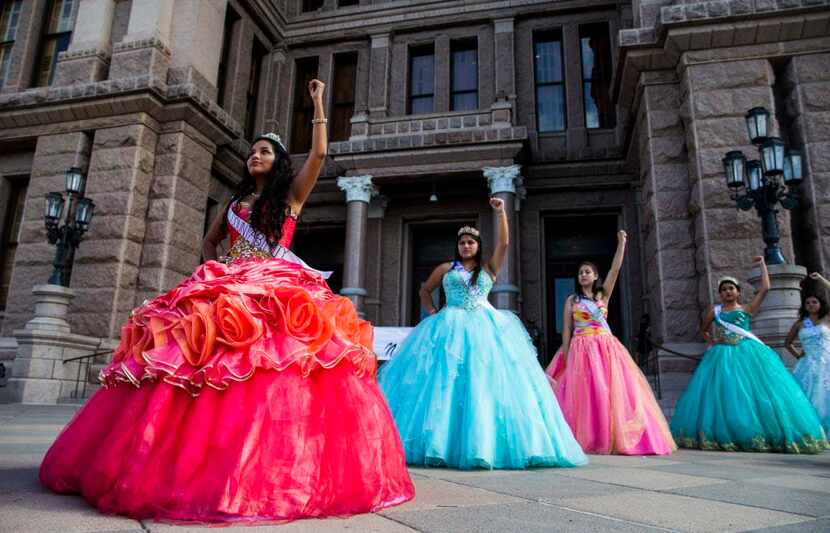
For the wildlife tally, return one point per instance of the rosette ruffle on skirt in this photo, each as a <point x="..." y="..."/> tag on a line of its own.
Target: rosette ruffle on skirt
<point x="227" y="321"/>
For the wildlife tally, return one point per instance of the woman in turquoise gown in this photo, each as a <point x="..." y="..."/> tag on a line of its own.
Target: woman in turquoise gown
<point x="741" y="396"/>
<point x="465" y="388"/>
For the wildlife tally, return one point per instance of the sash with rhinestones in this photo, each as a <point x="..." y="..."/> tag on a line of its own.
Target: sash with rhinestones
<point x="737" y="330"/>
<point x="259" y="241"/>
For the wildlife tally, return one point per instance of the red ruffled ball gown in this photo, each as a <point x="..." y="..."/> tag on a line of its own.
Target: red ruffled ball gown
<point x="247" y="393"/>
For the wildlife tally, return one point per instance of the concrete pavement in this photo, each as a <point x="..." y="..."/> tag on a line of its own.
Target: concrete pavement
<point x="688" y="491"/>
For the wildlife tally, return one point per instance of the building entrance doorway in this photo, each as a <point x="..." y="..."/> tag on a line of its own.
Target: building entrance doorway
<point x="569" y="240"/>
<point x="432" y="244"/>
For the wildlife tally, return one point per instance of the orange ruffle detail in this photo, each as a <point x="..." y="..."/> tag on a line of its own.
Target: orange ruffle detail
<point x="227" y="321"/>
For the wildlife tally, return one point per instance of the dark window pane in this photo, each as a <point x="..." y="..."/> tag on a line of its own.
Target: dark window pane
<point x="345" y="71"/>
<point x="422" y="104"/>
<point x="5" y="62"/>
<point x="422" y="74"/>
<point x="549" y="62"/>
<point x="551" y="107"/>
<point x="312" y="5"/>
<point x="9" y="20"/>
<point x="595" y="49"/>
<point x="465" y="101"/>
<point x="231" y="18"/>
<point x="346" y="3"/>
<point x="464" y="71"/>
<point x="252" y="95"/>
<point x="303" y="106"/>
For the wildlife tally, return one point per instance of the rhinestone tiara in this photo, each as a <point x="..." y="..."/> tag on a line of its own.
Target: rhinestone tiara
<point x="469" y="230"/>
<point x="271" y="136"/>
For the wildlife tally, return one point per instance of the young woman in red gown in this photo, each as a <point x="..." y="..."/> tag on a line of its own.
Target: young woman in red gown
<point x="247" y="393"/>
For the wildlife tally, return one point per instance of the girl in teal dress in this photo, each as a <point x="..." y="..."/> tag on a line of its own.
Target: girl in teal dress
<point x="465" y="387"/>
<point x="741" y="397"/>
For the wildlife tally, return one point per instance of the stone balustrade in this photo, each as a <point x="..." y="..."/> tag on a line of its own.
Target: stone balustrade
<point x="433" y="129"/>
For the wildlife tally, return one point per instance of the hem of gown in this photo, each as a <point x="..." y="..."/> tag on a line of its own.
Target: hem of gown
<point x="483" y="464"/>
<point x="808" y="446"/>
<point x="220" y="520"/>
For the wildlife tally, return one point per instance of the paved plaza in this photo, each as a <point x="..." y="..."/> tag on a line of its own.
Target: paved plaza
<point x="689" y="491"/>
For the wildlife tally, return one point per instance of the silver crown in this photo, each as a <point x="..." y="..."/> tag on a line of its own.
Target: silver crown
<point x="273" y="137"/>
<point x="728" y="279"/>
<point x="468" y="230"/>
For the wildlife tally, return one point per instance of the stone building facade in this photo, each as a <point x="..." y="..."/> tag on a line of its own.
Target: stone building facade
<point x="584" y="116"/>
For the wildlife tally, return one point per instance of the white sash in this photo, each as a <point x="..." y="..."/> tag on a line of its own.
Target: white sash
<point x="596" y="312"/>
<point x="259" y="241"/>
<point x="737" y="330"/>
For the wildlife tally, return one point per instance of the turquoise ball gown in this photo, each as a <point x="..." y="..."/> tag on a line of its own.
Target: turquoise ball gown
<point x="742" y="398"/>
<point x="466" y="391"/>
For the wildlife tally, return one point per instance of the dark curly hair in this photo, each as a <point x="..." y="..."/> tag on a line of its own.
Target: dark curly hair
<point x="268" y="211"/>
<point x="596" y="287"/>
<point x="822" y="302"/>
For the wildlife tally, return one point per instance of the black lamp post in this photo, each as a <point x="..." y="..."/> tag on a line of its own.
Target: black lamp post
<point x="769" y="180"/>
<point x="67" y="237"/>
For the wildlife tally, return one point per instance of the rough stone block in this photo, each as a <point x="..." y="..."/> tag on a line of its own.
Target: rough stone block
<point x="734" y="74"/>
<point x="38" y="368"/>
<point x="43" y="391"/>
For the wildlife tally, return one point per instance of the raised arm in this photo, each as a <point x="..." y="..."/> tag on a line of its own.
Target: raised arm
<point x="789" y="344"/>
<point x="755" y="305"/>
<point x="216" y="233"/>
<point x="433" y="281"/>
<point x="502" y="236"/>
<point x="821" y="279"/>
<point x="306" y="178"/>
<point x="616" y="265"/>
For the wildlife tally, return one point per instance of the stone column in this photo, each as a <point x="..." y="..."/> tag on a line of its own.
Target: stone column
<point x="196" y="43"/>
<point x="88" y="56"/>
<point x="505" y="58"/>
<point x="106" y="272"/>
<point x="379" y="75"/>
<point x="145" y="50"/>
<point x="716" y="99"/>
<point x="780" y="307"/>
<point x="359" y="191"/>
<point x="176" y="207"/>
<point x="503" y="182"/>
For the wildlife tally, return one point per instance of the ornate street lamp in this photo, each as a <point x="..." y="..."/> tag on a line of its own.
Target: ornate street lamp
<point x="763" y="179"/>
<point x="78" y="215"/>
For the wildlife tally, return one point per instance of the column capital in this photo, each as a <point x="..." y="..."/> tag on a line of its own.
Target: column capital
<point x="380" y="40"/>
<point x="504" y="25"/>
<point x="503" y="179"/>
<point x="357" y="188"/>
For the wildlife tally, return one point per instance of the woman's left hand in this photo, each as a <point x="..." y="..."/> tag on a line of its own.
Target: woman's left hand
<point x="316" y="88"/>
<point x="497" y="204"/>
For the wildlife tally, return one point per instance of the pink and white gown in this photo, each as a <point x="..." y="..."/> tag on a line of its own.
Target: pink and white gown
<point x="247" y="393"/>
<point x="604" y="396"/>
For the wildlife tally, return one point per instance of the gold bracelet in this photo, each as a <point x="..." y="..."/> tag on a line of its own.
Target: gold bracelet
<point x="319" y="120"/>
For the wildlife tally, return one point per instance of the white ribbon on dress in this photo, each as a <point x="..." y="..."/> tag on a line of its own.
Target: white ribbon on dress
<point x="737" y="330"/>
<point x="595" y="312"/>
<point x="259" y="241"/>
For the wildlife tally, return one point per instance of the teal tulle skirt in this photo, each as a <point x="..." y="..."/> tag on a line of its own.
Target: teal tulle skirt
<point x="743" y="398"/>
<point x="466" y="391"/>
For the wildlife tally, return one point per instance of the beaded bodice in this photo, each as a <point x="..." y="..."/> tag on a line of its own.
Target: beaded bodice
<point x="816" y="341"/>
<point x="587" y="323"/>
<point x="459" y="291"/>
<point x="242" y="249"/>
<point x="740" y="318"/>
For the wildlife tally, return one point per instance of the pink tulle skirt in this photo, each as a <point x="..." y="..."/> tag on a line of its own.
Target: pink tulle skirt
<point x="245" y="394"/>
<point x="606" y="399"/>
